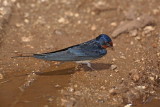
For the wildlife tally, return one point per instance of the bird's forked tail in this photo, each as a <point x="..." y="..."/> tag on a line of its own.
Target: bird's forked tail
<point x="22" y="56"/>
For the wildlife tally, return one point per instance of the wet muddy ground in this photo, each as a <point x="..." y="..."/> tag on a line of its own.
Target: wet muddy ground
<point x="128" y="76"/>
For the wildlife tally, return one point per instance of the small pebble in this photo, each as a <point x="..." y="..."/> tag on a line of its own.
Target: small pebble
<point x="151" y="78"/>
<point x="26" y="14"/>
<point x="79" y="22"/>
<point x="69" y="13"/>
<point x="122" y="57"/>
<point x="128" y="105"/>
<point x="131" y="42"/>
<point x="5" y="3"/>
<point x="44" y="0"/>
<point x="76" y="15"/>
<point x="58" y="32"/>
<point x="113" y="24"/>
<point x="141" y="87"/>
<point x="26" y="39"/>
<point x="26" y="21"/>
<point x="61" y="20"/>
<point x="1" y="76"/>
<point x="148" y="29"/>
<point x="70" y="89"/>
<point x="2" y="11"/>
<point x="137" y="61"/>
<point x="57" y="86"/>
<point x="114" y="59"/>
<point x="135" y="77"/>
<point x="155" y="11"/>
<point x="152" y="92"/>
<point x="13" y="1"/>
<point x="50" y="99"/>
<point x="133" y="33"/>
<point x="154" y="45"/>
<point x="19" y="25"/>
<point x="158" y="54"/>
<point x="64" y="101"/>
<point x="112" y="91"/>
<point x="75" y="85"/>
<point x="100" y="5"/>
<point x="103" y="87"/>
<point x="18" y="5"/>
<point x="116" y="70"/>
<point x="93" y="27"/>
<point x="29" y="46"/>
<point x="137" y="38"/>
<point x="113" y="67"/>
<point x="32" y="5"/>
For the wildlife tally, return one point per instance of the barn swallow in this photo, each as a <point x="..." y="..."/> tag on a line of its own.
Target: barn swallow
<point x="81" y="53"/>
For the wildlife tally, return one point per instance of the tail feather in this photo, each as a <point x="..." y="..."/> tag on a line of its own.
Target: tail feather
<point x="19" y="54"/>
<point x="22" y="56"/>
<point x="39" y="56"/>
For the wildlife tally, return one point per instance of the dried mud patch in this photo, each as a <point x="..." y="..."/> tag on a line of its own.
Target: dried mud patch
<point x="137" y="86"/>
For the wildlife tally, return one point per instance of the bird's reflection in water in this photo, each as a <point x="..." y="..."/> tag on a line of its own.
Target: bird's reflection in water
<point x="62" y="69"/>
<point x="69" y="68"/>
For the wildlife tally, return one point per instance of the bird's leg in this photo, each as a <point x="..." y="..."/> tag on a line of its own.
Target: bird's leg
<point x="87" y="63"/>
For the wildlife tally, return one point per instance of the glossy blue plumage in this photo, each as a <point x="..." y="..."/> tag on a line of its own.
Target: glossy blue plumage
<point x="89" y="50"/>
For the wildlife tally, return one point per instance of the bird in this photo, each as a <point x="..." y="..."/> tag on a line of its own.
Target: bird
<point x="81" y="53"/>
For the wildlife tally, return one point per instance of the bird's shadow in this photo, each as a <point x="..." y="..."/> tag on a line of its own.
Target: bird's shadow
<point x="66" y="71"/>
<point x="98" y="66"/>
<point x="71" y="70"/>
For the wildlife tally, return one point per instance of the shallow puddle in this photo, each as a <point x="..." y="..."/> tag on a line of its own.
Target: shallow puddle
<point x="22" y="90"/>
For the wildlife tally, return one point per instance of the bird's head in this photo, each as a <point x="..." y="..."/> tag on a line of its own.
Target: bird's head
<point x="105" y="41"/>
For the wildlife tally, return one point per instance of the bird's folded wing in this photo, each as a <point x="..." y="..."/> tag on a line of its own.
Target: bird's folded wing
<point x="85" y="51"/>
<point x="72" y="54"/>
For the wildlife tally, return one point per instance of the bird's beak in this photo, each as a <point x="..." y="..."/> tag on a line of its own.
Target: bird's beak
<point x="111" y="44"/>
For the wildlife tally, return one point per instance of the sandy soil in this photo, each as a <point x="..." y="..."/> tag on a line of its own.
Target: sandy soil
<point x="128" y="76"/>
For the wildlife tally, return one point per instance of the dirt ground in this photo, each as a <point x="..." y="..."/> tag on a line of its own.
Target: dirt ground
<point x="128" y="76"/>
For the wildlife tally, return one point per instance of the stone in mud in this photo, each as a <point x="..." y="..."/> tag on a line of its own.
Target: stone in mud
<point x="113" y="67"/>
<point x="1" y="76"/>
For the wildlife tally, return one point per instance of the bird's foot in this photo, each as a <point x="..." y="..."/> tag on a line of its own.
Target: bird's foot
<point x="87" y="63"/>
<point x="89" y="66"/>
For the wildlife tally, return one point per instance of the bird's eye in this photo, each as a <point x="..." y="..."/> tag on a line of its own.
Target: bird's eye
<point x="105" y="43"/>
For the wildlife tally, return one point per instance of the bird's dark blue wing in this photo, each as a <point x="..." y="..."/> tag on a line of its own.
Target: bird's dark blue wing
<point x="85" y="51"/>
